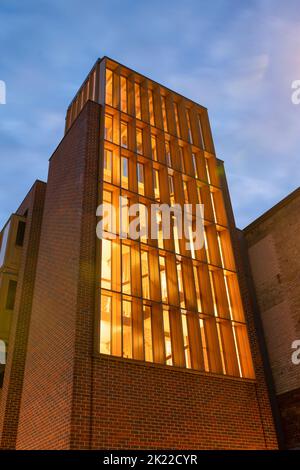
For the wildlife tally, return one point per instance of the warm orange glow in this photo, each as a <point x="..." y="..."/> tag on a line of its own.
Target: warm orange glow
<point x="160" y="301"/>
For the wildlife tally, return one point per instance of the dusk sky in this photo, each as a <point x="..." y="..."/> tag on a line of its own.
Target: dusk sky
<point x="237" y="58"/>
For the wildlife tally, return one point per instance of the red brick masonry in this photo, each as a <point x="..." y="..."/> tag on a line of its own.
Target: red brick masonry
<point x="290" y="414"/>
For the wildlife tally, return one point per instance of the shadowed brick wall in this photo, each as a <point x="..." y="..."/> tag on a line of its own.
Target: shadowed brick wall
<point x="58" y="363"/>
<point x="274" y="248"/>
<point x="32" y="206"/>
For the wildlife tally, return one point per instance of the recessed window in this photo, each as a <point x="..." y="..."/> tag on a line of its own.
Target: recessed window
<point x="189" y="126"/>
<point x="171" y="184"/>
<point x="20" y="233"/>
<point x="126" y="269"/>
<point x="180" y="284"/>
<point x="124" y="94"/>
<point x="151" y="107"/>
<point x="163" y="278"/>
<point x="107" y="166"/>
<point x="127" y="328"/>
<point x="137" y="94"/>
<point x="108" y="222"/>
<point x="195" y="165"/>
<point x="177" y="119"/>
<point x="148" y="333"/>
<point x="108" y="131"/>
<point x="124" y="172"/>
<point x="141" y="178"/>
<point x="167" y="335"/>
<point x="160" y="240"/>
<point x="156" y="184"/>
<point x="185" y="192"/>
<point x="197" y="288"/>
<point x="11" y="295"/>
<point x="109" y="87"/>
<point x="106" y="264"/>
<point x="181" y="156"/>
<point x="124" y="134"/>
<point x="145" y="274"/>
<point x="186" y="343"/>
<point x="105" y="326"/>
<point x="139" y="141"/>
<point x="168" y="153"/>
<point x="154" y="147"/>
<point x="204" y="344"/>
<point x="164" y="113"/>
<point x="201" y="132"/>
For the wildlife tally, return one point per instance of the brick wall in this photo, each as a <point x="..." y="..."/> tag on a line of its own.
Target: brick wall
<point x="263" y="386"/>
<point x="290" y="413"/>
<point x="273" y="247"/>
<point x="53" y="375"/>
<point x="14" y="372"/>
<point x="148" y="406"/>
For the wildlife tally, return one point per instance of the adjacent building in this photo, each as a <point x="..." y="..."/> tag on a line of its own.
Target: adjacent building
<point x="125" y="343"/>
<point x="19" y="252"/>
<point x="273" y="246"/>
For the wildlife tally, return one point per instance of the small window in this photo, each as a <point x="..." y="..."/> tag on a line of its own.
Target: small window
<point x="195" y="165"/>
<point x="201" y="132"/>
<point x="141" y="178"/>
<point x="167" y="334"/>
<point x="124" y="172"/>
<point x="148" y="333"/>
<point x="181" y="156"/>
<point x="108" y="134"/>
<point x="164" y="113"/>
<point x="168" y="153"/>
<point x="20" y="233"/>
<point x="156" y="184"/>
<point x="163" y="278"/>
<point x="177" y="119"/>
<point x="124" y="134"/>
<point x="139" y="141"/>
<point x="124" y="94"/>
<point x="107" y="170"/>
<point x="154" y="147"/>
<point x="151" y="108"/>
<point x="189" y="126"/>
<point x="137" y="91"/>
<point x="11" y="295"/>
<point x="109" y="87"/>
<point x="127" y="328"/>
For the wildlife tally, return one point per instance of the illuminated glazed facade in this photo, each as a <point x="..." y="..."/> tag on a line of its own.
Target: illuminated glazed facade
<point x="159" y="301"/>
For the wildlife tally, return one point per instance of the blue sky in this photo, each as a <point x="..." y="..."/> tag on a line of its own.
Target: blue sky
<point x="236" y="58"/>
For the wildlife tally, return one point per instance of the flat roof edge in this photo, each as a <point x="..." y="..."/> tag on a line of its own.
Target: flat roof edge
<point x="293" y="195"/>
